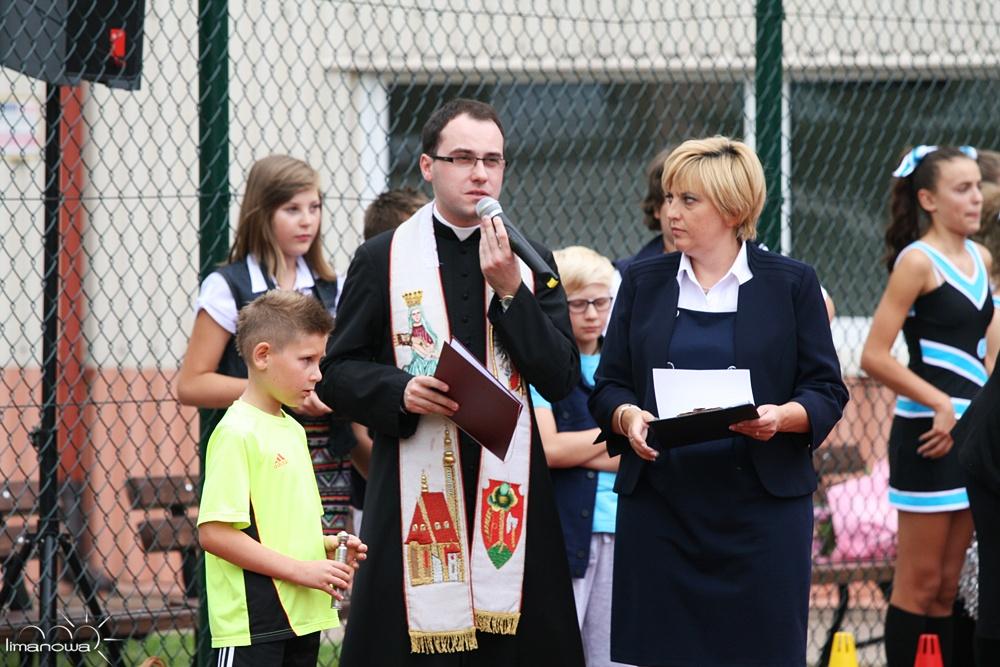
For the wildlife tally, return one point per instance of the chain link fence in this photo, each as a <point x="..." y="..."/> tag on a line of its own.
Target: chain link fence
<point x="108" y="225"/>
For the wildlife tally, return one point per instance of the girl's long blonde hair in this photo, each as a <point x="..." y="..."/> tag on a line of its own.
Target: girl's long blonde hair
<point x="273" y="181"/>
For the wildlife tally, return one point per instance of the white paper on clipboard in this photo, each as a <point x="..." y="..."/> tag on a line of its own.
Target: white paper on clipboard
<point x="678" y="391"/>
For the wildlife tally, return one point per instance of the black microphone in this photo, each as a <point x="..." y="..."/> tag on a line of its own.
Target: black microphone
<point x="488" y="207"/>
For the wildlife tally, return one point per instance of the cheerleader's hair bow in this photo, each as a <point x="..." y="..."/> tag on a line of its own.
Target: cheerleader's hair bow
<point x="911" y="160"/>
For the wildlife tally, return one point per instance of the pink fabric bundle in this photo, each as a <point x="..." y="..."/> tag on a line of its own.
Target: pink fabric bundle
<point x="863" y="522"/>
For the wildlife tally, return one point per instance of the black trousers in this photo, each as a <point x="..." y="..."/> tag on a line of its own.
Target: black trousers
<point x="295" y="652"/>
<point x="985" y="505"/>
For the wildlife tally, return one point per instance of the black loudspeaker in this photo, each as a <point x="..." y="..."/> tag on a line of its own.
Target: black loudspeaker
<point x="68" y="41"/>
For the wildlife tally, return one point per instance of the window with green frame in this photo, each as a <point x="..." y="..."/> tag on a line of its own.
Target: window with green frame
<point x="578" y="151"/>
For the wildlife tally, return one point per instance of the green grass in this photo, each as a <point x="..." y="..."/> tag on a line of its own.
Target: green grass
<point x="174" y="648"/>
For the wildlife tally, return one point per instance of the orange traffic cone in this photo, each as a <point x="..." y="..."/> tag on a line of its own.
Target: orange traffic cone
<point x="928" y="652"/>
<point x="843" y="653"/>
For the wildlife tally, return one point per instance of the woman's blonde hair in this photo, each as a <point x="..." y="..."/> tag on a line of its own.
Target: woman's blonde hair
<point x="579" y="266"/>
<point x="727" y="172"/>
<point x="272" y="182"/>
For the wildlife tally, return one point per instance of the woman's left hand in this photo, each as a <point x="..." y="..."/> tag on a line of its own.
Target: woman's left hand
<point x="313" y="407"/>
<point x="764" y="427"/>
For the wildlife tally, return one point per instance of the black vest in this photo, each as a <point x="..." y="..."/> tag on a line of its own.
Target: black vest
<point x="237" y="276"/>
<point x="575" y="488"/>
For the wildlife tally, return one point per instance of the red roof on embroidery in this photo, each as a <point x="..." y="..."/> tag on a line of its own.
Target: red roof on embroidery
<point x="438" y="526"/>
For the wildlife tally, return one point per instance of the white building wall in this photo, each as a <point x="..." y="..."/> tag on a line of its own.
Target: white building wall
<point x="22" y="182"/>
<point x="600" y="39"/>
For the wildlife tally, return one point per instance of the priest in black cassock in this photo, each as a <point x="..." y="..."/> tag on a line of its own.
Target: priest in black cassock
<point x="466" y="561"/>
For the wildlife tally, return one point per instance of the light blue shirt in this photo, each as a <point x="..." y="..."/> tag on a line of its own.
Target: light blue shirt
<point x="606" y="501"/>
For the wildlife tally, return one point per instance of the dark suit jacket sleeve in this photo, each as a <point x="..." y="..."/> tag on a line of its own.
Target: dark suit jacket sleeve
<point x="977" y="434"/>
<point x="818" y="384"/>
<point x="614" y="381"/>
<point x="536" y="332"/>
<point x="357" y="383"/>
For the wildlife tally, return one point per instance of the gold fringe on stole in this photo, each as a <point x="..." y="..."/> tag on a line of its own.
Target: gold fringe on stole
<point x="443" y="642"/>
<point x="497" y="622"/>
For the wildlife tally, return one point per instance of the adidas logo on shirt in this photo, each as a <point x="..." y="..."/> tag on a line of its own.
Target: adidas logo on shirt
<point x="279" y="461"/>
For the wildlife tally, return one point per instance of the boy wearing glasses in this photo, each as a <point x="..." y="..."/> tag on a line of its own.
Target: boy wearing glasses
<point x="471" y="569"/>
<point x="583" y="475"/>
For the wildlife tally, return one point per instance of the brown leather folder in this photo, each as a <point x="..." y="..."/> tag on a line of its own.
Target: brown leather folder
<point x="487" y="411"/>
<point x="699" y="426"/>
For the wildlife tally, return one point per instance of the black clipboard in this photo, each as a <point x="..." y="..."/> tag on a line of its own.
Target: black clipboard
<point x="700" y="426"/>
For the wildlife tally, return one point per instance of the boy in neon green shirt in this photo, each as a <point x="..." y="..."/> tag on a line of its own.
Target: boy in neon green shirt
<point x="268" y="570"/>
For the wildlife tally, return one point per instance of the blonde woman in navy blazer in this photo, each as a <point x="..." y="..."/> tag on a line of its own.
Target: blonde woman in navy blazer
<point x="713" y="553"/>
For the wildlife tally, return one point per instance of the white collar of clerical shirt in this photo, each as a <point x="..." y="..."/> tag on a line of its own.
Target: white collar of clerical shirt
<point x="723" y="296"/>
<point x="303" y="276"/>
<point x="461" y="232"/>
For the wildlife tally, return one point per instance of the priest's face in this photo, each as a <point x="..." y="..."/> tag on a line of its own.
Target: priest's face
<point x="457" y="187"/>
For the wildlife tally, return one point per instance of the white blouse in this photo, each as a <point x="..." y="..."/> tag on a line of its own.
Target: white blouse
<point x="723" y="296"/>
<point x="216" y="299"/>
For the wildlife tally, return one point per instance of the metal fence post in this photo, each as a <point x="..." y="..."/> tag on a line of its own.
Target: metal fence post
<point x="48" y="454"/>
<point x="768" y="77"/>
<point x="213" y="165"/>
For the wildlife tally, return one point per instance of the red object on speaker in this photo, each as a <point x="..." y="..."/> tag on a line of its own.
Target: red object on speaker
<point x="117" y="39"/>
<point x="928" y="652"/>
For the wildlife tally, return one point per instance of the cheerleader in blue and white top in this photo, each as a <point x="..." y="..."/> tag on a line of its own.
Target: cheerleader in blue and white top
<point x="938" y="294"/>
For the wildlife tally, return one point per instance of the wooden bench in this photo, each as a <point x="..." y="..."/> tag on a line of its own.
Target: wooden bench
<point x="120" y="617"/>
<point x="18" y="505"/>
<point x="176" y="531"/>
<point x="834" y="463"/>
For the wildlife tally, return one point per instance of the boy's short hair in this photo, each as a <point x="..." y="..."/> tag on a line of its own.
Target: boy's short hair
<point x="391" y="209"/>
<point x="579" y="266"/>
<point x="989" y="230"/>
<point x="653" y="200"/>
<point x="279" y="317"/>
<point x="989" y="165"/>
